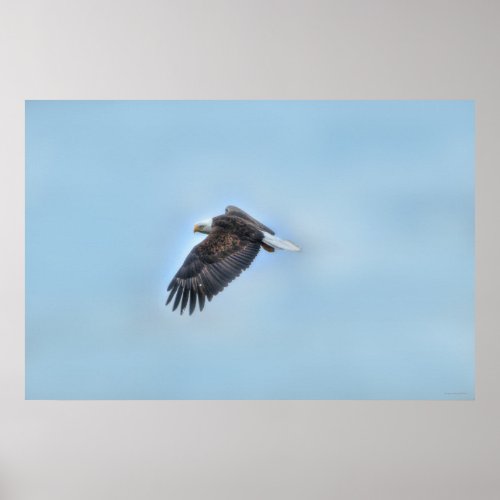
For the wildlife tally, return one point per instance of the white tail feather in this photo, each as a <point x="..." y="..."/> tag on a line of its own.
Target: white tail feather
<point x="276" y="242"/>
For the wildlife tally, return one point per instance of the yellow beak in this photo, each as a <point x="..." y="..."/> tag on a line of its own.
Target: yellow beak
<point x="196" y="228"/>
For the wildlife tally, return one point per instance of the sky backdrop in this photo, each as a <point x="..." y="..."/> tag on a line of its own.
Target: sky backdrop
<point x="379" y="304"/>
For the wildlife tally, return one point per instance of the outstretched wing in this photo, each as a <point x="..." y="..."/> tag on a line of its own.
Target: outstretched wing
<point x="232" y="210"/>
<point x="209" y="268"/>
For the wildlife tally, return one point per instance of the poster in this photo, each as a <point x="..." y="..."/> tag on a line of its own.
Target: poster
<point x="378" y="303"/>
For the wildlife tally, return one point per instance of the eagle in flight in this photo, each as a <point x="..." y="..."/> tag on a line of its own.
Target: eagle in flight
<point x="234" y="239"/>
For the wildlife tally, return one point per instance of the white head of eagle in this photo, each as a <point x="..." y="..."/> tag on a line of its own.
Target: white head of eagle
<point x="234" y="240"/>
<point x="204" y="226"/>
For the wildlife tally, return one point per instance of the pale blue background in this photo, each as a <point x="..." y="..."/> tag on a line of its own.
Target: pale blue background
<point x="378" y="305"/>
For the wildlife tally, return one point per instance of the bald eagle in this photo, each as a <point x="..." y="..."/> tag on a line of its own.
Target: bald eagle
<point x="234" y="239"/>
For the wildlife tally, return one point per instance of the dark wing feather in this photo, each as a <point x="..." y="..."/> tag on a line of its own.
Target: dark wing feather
<point x="210" y="267"/>
<point x="237" y="212"/>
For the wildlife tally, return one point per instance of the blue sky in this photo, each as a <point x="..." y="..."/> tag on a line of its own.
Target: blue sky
<point x="378" y="305"/>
